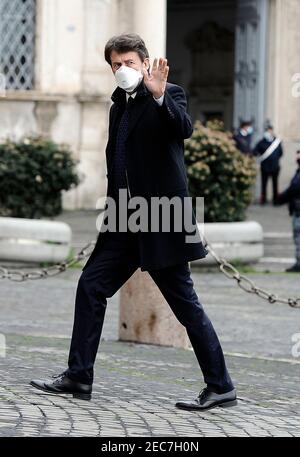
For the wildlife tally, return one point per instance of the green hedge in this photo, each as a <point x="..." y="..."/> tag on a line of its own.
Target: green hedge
<point x="219" y="172"/>
<point x="33" y="173"/>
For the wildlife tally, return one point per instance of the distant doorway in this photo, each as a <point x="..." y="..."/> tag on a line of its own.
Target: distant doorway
<point x="217" y="50"/>
<point x="201" y="53"/>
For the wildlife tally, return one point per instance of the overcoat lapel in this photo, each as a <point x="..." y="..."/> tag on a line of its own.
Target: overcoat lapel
<point x="140" y="105"/>
<point x="141" y="101"/>
<point x="114" y="121"/>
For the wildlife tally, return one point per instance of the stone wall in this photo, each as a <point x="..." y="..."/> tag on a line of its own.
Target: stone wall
<point x="283" y="62"/>
<point x="73" y="83"/>
<point x="80" y="121"/>
<point x="73" y="86"/>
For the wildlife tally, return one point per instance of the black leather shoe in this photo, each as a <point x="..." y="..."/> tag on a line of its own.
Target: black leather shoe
<point x="293" y="269"/>
<point x="208" y="399"/>
<point x="64" y="385"/>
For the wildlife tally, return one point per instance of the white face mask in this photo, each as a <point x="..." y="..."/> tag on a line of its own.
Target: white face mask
<point x="268" y="136"/>
<point x="247" y="131"/>
<point x="128" y="78"/>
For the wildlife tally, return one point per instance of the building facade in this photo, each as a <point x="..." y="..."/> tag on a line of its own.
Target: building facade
<point x="236" y="59"/>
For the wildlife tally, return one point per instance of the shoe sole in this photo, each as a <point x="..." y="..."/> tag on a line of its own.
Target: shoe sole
<point x="77" y="395"/>
<point x="225" y="404"/>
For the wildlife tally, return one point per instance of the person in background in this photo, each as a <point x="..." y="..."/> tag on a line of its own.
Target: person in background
<point x="292" y="196"/>
<point x="269" y="151"/>
<point x="243" y="137"/>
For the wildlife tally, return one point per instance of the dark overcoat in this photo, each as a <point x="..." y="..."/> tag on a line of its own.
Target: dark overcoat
<point x="243" y="143"/>
<point x="155" y="167"/>
<point x="272" y="163"/>
<point x="291" y="195"/>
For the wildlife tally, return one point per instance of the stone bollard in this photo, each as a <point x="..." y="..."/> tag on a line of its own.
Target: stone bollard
<point x="243" y="241"/>
<point x="34" y="240"/>
<point x="145" y="316"/>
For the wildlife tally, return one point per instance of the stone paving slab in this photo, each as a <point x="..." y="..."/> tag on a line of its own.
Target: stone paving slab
<point x="135" y="389"/>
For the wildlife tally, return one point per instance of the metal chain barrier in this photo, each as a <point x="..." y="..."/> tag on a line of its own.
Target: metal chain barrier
<point x="226" y="268"/>
<point x="21" y="275"/>
<point x="246" y="284"/>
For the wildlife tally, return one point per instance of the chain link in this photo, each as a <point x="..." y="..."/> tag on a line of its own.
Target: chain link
<point x="246" y="284"/>
<point x="21" y="275"/>
<point x="226" y="268"/>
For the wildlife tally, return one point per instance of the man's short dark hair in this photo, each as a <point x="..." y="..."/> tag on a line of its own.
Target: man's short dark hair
<point x="126" y="42"/>
<point x="244" y="124"/>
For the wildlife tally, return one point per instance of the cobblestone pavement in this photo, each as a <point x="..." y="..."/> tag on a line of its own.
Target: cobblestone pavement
<point x="136" y="385"/>
<point x="135" y="390"/>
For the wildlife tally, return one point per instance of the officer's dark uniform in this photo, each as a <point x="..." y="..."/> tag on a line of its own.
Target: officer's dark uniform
<point x="292" y="196"/>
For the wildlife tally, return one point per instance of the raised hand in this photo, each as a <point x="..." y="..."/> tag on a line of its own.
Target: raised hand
<point x="157" y="80"/>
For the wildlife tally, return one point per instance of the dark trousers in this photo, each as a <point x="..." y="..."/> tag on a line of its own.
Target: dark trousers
<point x="265" y="175"/>
<point x="115" y="262"/>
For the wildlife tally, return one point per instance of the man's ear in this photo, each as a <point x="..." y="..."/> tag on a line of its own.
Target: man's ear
<point x="146" y="64"/>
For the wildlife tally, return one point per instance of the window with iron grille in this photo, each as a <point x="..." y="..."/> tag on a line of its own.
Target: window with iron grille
<point x="17" y="43"/>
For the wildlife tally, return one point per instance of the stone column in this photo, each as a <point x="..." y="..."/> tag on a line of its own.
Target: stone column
<point x="96" y="87"/>
<point x="147" y="18"/>
<point x="99" y="25"/>
<point x="60" y="46"/>
<point x="145" y="316"/>
<point x="70" y="67"/>
<point x="150" y="22"/>
<point x="250" y="57"/>
<point x="283" y="105"/>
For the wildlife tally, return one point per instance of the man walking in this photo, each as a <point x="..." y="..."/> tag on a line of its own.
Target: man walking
<point x="292" y="196"/>
<point x="269" y="151"/>
<point x="148" y="123"/>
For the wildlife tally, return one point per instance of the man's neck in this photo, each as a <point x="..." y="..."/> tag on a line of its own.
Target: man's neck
<point x="130" y="94"/>
<point x="133" y="93"/>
